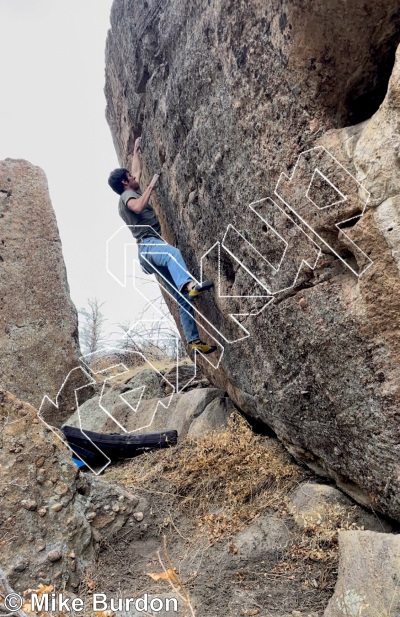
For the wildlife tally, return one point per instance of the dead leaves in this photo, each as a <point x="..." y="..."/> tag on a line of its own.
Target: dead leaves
<point x="90" y="585"/>
<point x="167" y="575"/>
<point x="170" y="575"/>
<point x="39" y="592"/>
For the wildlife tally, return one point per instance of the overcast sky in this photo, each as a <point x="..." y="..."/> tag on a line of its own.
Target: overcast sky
<point x="53" y="114"/>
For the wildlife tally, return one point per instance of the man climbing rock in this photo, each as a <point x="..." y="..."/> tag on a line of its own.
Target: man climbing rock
<point x="155" y="255"/>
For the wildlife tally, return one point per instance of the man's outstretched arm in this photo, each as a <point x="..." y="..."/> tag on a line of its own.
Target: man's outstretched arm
<point x="139" y="204"/>
<point x="136" y="167"/>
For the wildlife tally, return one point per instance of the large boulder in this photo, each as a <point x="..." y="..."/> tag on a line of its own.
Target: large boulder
<point x="39" y="324"/>
<point x="51" y="516"/>
<point x="228" y="96"/>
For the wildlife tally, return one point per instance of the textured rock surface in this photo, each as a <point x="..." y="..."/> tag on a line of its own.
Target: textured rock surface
<point x="368" y="580"/>
<point x="213" y="418"/>
<point x="42" y="511"/>
<point x="227" y="96"/>
<point x="50" y="514"/>
<point x="108" y="507"/>
<point x="312" y="503"/>
<point x="200" y="409"/>
<point x="38" y="323"/>
<point x="268" y="533"/>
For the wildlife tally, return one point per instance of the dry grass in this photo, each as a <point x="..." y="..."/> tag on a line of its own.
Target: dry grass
<point x="313" y="555"/>
<point x="319" y="540"/>
<point x="213" y="487"/>
<point x="139" y="365"/>
<point x="222" y="481"/>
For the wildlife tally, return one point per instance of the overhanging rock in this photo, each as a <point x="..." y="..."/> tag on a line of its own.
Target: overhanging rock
<point x="227" y="97"/>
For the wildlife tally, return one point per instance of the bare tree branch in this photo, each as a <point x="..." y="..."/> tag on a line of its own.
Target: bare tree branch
<point x="156" y="337"/>
<point x="92" y="330"/>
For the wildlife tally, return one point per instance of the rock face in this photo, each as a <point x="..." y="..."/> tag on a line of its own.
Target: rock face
<point x="38" y="323"/>
<point x="51" y="516"/>
<point x="227" y="97"/>
<point x="42" y="517"/>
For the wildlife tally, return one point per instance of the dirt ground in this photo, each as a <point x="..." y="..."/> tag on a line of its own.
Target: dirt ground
<point x="195" y="499"/>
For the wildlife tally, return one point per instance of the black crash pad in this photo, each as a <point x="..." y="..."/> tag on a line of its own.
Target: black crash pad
<point x="92" y="447"/>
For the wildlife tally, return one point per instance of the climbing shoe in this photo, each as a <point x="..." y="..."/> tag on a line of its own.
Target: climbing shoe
<point x="199" y="288"/>
<point x="203" y="348"/>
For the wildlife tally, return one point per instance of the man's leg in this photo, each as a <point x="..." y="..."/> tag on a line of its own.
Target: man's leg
<point x="161" y="254"/>
<point x="186" y="312"/>
<point x="155" y="262"/>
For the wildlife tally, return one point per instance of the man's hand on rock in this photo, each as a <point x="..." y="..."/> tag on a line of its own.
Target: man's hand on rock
<point x="154" y="180"/>
<point x="137" y="144"/>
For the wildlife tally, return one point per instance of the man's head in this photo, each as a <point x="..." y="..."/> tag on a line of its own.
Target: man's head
<point x="121" y="179"/>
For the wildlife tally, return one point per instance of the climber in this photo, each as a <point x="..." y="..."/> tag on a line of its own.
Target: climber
<point x="155" y="255"/>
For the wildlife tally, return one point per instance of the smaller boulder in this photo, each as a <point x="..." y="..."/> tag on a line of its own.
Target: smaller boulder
<point x="150" y="379"/>
<point x="267" y="534"/>
<point x="214" y="418"/>
<point x="190" y="406"/>
<point x="368" y="581"/>
<point x="312" y="503"/>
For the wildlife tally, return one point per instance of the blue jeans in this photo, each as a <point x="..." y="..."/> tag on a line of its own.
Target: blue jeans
<point x="158" y="257"/>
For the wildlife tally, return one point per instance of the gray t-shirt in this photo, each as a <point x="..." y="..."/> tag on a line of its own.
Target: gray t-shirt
<point x="145" y="224"/>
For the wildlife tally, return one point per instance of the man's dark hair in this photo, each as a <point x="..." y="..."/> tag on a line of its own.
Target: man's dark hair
<point x="115" y="179"/>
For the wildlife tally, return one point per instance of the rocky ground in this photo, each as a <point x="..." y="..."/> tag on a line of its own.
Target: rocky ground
<point x="225" y="522"/>
<point x="247" y="530"/>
